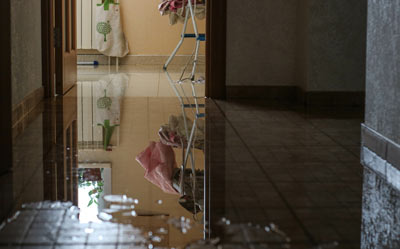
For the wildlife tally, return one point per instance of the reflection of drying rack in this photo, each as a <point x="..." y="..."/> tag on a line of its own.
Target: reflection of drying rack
<point x="187" y="153"/>
<point x="185" y="103"/>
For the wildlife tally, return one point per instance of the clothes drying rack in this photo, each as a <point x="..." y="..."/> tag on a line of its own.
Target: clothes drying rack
<point x="190" y="12"/>
<point x="187" y="153"/>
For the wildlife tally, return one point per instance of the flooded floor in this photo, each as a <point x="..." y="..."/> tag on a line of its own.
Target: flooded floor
<point x="257" y="174"/>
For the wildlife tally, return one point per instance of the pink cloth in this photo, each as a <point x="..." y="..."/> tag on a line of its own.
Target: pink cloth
<point x="174" y="5"/>
<point x="158" y="160"/>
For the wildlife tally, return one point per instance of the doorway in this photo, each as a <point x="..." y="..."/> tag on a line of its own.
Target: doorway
<point x="61" y="50"/>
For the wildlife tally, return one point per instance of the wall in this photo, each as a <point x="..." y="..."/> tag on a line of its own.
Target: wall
<point x="380" y="220"/>
<point x="26" y="51"/>
<point x="383" y="68"/>
<point x="316" y="45"/>
<point x="331" y="37"/>
<point x="149" y="33"/>
<point x="381" y="137"/>
<point x="302" y="52"/>
<point x="261" y="38"/>
<point x="336" y="40"/>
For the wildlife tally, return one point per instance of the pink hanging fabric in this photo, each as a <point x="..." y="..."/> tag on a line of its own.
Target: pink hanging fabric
<point x="158" y="160"/>
<point x="175" y="5"/>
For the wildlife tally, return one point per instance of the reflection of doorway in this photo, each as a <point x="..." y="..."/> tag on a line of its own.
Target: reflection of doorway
<point x="59" y="33"/>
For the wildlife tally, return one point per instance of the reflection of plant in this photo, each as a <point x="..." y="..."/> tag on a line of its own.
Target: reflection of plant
<point x="104" y="28"/>
<point x="94" y="194"/>
<point x="98" y="187"/>
<point x="108" y="131"/>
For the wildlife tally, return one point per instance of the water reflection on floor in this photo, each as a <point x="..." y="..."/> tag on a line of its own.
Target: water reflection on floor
<point x="268" y="175"/>
<point x="137" y="112"/>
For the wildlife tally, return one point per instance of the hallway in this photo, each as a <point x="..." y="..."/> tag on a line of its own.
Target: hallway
<point x="285" y="135"/>
<point x="265" y="162"/>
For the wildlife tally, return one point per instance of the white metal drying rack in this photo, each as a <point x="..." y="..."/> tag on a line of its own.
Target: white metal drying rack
<point x="199" y="38"/>
<point x="190" y="136"/>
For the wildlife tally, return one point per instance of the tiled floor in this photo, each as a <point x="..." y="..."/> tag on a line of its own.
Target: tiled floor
<point x="265" y="163"/>
<point x="285" y="165"/>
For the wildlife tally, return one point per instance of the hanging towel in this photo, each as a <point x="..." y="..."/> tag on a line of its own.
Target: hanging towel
<point x="110" y="39"/>
<point x="158" y="160"/>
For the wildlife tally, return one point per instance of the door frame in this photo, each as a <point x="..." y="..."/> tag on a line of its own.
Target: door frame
<point x="215" y="48"/>
<point x="5" y="88"/>
<point x="48" y="49"/>
<point x="6" y="177"/>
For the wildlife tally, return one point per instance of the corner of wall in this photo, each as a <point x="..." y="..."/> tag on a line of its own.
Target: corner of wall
<point x="301" y="57"/>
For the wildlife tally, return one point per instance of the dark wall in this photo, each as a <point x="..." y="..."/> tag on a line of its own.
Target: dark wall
<point x="331" y="38"/>
<point x="381" y="137"/>
<point x="261" y="38"/>
<point x="383" y="68"/>
<point x="380" y="213"/>
<point x="317" y="45"/>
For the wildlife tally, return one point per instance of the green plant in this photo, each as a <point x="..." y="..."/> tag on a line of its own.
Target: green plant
<point x="107" y="3"/>
<point x="104" y="28"/>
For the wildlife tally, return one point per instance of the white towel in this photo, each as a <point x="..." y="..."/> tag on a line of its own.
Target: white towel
<point x="110" y="39"/>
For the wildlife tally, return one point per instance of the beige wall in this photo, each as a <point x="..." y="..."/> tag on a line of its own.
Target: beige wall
<point x="149" y="33"/>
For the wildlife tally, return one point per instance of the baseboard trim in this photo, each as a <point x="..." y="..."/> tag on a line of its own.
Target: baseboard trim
<point x="382" y="146"/>
<point x="138" y="59"/>
<point x="381" y="155"/>
<point x="332" y="98"/>
<point x="26" y="110"/>
<point x="285" y="93"/>
<point x="381" y="167"/>
<point x="297" y="95"/>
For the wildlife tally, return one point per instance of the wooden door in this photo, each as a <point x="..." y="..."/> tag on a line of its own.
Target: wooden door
<point x="65" y="44"/>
